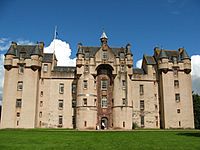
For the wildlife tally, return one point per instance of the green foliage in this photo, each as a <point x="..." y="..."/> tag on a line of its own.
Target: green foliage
<point x="196" y="107"/>
<point x="53" y="139"/>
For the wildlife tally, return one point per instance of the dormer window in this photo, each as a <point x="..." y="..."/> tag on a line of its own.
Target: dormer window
<point x="87" y="55"/>
<point x="122" y="56"/>
<point x="22" y="55"/>
<point x="174" y="59"/>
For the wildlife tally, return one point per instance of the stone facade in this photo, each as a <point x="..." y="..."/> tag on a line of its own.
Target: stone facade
<point x="103" y="90"/>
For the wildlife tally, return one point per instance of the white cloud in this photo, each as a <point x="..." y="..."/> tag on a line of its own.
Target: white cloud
<point x="195" y="60"/>
<point x="62" y="51"/>
<point x="1" y="76"/>
<point x="139" y="63"/>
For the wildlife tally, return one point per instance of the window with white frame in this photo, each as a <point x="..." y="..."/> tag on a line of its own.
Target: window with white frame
<point x="45" y="68"/>
<point x="85" y="84"/>
<point x="104" y="102"/>
<point x="61" y="88"/>
<point x="60" y="104"/>
<point x="104" y="84"/>
<point x="20" y="85"/>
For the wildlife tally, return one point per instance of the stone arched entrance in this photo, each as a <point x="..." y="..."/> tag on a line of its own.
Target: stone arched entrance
<point x="104" y="123"/>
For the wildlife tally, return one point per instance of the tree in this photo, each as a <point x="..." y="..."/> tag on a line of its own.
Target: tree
<point x="196" y="107"/>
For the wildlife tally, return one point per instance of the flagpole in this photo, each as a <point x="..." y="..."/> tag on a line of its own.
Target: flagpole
<point x="55" y="33"/>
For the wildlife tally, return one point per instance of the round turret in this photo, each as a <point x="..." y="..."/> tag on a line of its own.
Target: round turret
<point x="11" y="53"/>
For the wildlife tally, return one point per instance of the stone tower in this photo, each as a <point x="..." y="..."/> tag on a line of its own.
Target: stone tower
<point x="22" y="65"/>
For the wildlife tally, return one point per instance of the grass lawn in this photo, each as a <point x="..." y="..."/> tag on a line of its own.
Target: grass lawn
<point x="49" y="139"/>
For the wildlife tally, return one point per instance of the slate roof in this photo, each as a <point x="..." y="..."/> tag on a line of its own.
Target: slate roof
<point x="48" y="57"/>
<point x="150" y="60"/>
<point x="138" y="71"/>
<point x="93" y="50"/>
<point x="27" y="50"/>
<point x="64" y="69"/>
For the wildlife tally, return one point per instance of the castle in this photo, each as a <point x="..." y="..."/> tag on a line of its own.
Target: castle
<point x="102" y="91"/>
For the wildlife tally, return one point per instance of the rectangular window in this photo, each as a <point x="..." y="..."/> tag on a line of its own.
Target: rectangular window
<point x="141" y="104"/>
<point x="141" y="89"/>
<point x="22" y="55"/>
<point x="85" y="123"/>
<point x="179" y="123"/>
<point x="123" y="124"/>
<point x="85" y="102"/>
<point x="122" y="68"/>
<point x="176" y="83"/>
<point x="86" y="68"/>
<point x="41" y="93"/>
<point x="61" y="88"/>
<point x="175" y="72"/>
<point x="60" y="104"/>
<point x="104" y="84"/>
<point x="73" y="88"/>
<point x="19" y="85"/>
<point x="40" y="114"/>
<point x="18" y="103"/>
<point x="45" y="68"/>
<point x="60" y="120"/>
<point x="178" y="111"/>
<point x="73" y="103"/>
<point x="41" y="103"/>
<point x="85" y="84"/>
<point x="104" y="55"/>
<point x="123" y="84"/>
<point x="104" y="102"/>
<point x="21" y="69"/>
<point x="122" y="56"/>
<point x="123" y="101"/>
<point x="177" y="97"/>
<point x="87" y="55"/>
<point x="18" y="114"/>
<point x="142" y="121"/>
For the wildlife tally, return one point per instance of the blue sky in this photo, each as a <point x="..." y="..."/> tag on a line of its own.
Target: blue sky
<point x="143" y="23"/>
<point x="169" y="24"/>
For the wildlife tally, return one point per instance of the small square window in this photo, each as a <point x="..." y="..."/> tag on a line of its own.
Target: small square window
<point x="18" y="103"/>
<point x="41" y="93"/>
<point x="177" y="97"/>
<point x="21" y="69"/>
<point x="45" y="68"/>
<point x="141" y="89"/>
<point x="61" y="88"/>
<point x="123" y="101"/>
<point x="176" y="83"/>
<point x="41" y="103"/>
<point x="178" y="111"/>
<point x="20" y="85"/>
<point x="40" y="114"/>
<point x="60" y="104"/>
<point x="85" y="102"/>
<point x="73" y="103"/>
<point x="104" y="84"/>
<point x="73" y="88"/>
<point x="18" y="114"/>
<point x="123" y="83"/>
<point x="85" y="84"/>
<point x="141" y="104"/>
<point x="60" y="120"/>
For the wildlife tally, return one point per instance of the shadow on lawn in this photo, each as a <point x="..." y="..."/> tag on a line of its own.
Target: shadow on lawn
<point x="190" y="134"/>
